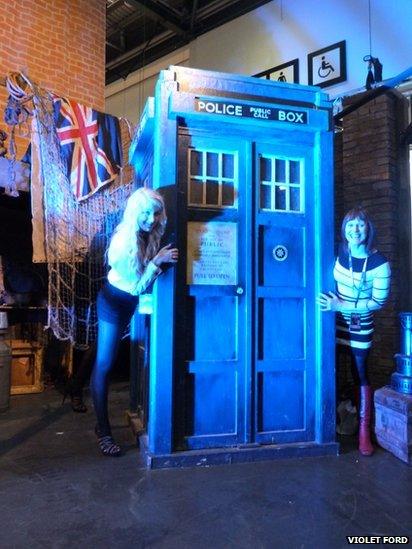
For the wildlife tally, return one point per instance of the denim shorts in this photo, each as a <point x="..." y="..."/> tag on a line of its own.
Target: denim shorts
<point x="115" y="306"/>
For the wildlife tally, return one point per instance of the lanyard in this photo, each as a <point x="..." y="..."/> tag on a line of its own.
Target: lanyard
<point x="362" y="280"/>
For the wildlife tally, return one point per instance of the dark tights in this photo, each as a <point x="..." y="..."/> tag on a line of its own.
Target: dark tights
<point x="359" y="367"/>
<point x="83" y="370"/>
<point x="108" y="340"/>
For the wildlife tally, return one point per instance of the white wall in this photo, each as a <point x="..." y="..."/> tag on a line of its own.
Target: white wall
<point x="286" y="29"/>
<point x="126" y="98"/>
<point x="283" y="30"/>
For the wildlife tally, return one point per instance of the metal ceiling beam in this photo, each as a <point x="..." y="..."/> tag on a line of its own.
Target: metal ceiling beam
<point x="220" y="12"/>
<point x="113" y="6"/>
<point x="127" y="56"/>
<point x="196" y="21"/>
<point x="123" y="24"/>
<point x="118" y="48"/>
<point x="193" y="15"/>
<point x="171" y="19"/>
<point x="145" y="58"/>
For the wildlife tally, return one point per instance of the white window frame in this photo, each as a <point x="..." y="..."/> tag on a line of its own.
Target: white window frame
<point x="287" y="185"/>
<point x="220" y="180"/>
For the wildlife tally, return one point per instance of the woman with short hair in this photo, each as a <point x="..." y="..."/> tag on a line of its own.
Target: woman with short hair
<point x="362" y="276"/>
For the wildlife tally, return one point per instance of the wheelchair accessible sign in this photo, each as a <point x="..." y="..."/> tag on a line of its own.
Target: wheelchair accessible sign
<point x="242" y="110"/>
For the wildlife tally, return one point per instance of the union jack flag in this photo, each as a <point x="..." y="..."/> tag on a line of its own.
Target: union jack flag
<point x="90" y="146"/>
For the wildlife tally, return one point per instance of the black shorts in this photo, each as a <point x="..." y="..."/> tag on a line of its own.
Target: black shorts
<point x="115" y="306"/>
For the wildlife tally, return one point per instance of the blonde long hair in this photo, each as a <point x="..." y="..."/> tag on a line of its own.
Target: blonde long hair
<point x="141" y="247"/>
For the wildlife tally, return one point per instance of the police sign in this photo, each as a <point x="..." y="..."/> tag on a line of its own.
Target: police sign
<point x="242" y="110"/>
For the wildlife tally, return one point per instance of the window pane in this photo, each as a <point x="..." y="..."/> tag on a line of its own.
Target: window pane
<point x="265" y="169"/>
<point x="196" y="192"/>
<point x="228" y="195"/>
<point x="228" y="165"/>
<point x="195" y="163"/>
<point x="294" y="171"/>
<point x="280" y="198"/>
<point x="212" y="192"/>
<point x="265" y="201"/>
<point x="280" y="171"/>
<point x="295" y="199"/>
<point x="212" y="164"/>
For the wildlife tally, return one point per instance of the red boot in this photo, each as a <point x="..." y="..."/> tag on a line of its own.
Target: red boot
<point x="365" y="445"/>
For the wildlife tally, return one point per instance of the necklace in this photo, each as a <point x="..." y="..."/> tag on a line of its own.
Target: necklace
<point x="362" y="279"/>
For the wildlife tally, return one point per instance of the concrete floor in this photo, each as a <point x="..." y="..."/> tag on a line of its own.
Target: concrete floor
<point x="57" y="491"/>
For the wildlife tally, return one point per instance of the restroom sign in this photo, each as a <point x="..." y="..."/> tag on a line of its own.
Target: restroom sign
<point x="243" y="110"/>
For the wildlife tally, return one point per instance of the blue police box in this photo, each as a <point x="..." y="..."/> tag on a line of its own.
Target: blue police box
<point x="241" y="359"/>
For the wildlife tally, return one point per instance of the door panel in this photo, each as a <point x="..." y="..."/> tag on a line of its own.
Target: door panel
<point x="284" y="410"/>
<point x="283" y="255"/>
<point x="206" y="415"/>
<point x="281" y="329"/>
<point x="285" y="357"/>
<point x="211" y="343"/>
<point x="214" y="287"/>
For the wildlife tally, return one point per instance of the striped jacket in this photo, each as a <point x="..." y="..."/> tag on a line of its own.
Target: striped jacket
<point x="374" y="289"/>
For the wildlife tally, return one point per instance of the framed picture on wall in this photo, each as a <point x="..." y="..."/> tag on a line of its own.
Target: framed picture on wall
<point x="327" y="66"/>
<point x="287" y="72"/>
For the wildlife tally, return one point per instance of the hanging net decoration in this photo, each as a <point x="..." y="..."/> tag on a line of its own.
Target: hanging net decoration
<point x="76" y="233"/>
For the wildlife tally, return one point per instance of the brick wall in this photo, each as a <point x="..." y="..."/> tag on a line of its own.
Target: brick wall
<point x="60" y="44"/>
<point x="369" y="171"/>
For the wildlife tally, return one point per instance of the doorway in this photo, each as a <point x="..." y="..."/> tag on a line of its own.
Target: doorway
<point x="245" y="347"/>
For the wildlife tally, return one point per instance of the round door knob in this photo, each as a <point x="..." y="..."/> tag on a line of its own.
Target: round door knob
<point x="280" y="252"/>
<point x="239" y="290"/>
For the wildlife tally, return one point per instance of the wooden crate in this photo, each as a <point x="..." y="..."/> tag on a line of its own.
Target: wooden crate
<point x="393" y="422"/>
<point x="26" y="367"/>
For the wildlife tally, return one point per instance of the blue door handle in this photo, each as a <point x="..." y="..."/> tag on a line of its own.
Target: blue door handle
<point x="239" y="290"/>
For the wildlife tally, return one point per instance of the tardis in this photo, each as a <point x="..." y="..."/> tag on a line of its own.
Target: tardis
<point x="241" y="358"/>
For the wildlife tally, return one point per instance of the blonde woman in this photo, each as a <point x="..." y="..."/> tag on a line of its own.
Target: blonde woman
<point x="135" y="261"/>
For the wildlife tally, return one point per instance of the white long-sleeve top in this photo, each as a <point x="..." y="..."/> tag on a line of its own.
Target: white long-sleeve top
<point x="121" y="275"/>
<point x="376" y="281"/>
<point x="373" y="292"/>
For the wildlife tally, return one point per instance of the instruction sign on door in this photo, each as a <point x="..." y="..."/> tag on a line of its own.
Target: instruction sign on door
<point x="212" y="253"/>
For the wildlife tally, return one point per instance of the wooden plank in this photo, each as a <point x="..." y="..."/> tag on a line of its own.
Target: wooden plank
<point x="391" y="399"/>
<point x="27" y="367"/>
<point x="393" y="422"/>
<point x="21" y="170"/>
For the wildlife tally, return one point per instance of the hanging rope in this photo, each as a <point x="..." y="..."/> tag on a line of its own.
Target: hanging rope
<point x="16" y="115"/>
<point x="76" y="234"/>
<point x="370" y="28"/>
<point x="375" y="67"/>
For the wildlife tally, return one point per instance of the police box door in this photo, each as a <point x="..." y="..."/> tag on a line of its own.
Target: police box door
<point x="244" y="369"/>
<point x="284" y="314"/>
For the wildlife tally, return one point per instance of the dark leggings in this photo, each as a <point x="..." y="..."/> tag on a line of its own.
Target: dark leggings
<point x="108" y="338"/>
<point x="83" y="370"/>
<point x="114" y="310"/>
<point x="359" y="366"/>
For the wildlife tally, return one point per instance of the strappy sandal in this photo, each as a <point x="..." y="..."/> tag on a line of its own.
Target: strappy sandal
<point x="107" y="445"/>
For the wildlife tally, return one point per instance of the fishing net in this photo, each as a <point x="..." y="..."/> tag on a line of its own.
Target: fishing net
<point x="76" y="234"/>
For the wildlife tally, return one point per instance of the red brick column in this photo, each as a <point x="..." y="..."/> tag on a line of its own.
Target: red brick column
<point x="59" y="43"/>
<point x="370" y="171"/>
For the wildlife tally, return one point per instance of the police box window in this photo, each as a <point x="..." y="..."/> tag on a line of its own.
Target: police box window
<point x="212" y="178"/>
<point x="281" y="184"/>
